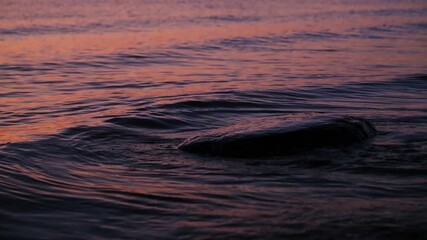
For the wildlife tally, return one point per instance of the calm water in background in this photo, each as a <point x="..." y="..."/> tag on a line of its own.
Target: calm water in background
<point x="95" y="95"/>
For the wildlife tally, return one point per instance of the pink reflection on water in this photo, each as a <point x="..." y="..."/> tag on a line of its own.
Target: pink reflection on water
<point x="223" y="69"/>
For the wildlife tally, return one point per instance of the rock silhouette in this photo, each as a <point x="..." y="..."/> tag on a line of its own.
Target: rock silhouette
<point x="280" y="136"/>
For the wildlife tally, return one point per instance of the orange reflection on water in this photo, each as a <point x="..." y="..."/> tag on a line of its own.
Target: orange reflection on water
<point x="45" y="99"/>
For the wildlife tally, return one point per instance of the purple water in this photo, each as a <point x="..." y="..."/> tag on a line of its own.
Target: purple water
<point x="96" y="95"/>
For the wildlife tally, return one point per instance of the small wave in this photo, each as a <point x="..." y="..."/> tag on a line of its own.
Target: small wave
<point x="391" y="31"/>
<point x="149" y="122"/>
<point x="415" y="82"/>
<point x="269" y="42"/>
<point x="22" y="68"/>
<point x="216" y="103"/>
<point x="231" y="18"/>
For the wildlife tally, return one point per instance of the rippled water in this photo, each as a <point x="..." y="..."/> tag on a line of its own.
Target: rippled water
<point x="96" y="95"/>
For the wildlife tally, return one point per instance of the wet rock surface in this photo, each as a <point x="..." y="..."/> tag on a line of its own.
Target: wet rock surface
<point x="280" y="136"/>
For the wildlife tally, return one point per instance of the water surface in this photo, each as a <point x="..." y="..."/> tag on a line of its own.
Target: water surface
<point x="95" y="96"/>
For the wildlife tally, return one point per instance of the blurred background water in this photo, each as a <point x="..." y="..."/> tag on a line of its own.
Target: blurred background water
<point x="95" y="96"/>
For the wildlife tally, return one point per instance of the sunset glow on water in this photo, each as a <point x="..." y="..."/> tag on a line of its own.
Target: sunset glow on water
<point x="96" y="95"/>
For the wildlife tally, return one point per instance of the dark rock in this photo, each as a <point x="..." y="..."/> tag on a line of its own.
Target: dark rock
<point x="280" y="136"/>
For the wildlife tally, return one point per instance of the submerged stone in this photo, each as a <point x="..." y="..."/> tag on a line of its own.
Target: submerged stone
<point x="280" y="136"/>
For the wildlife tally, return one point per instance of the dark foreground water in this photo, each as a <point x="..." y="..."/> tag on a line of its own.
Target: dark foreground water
<point x="96" y="95"/>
